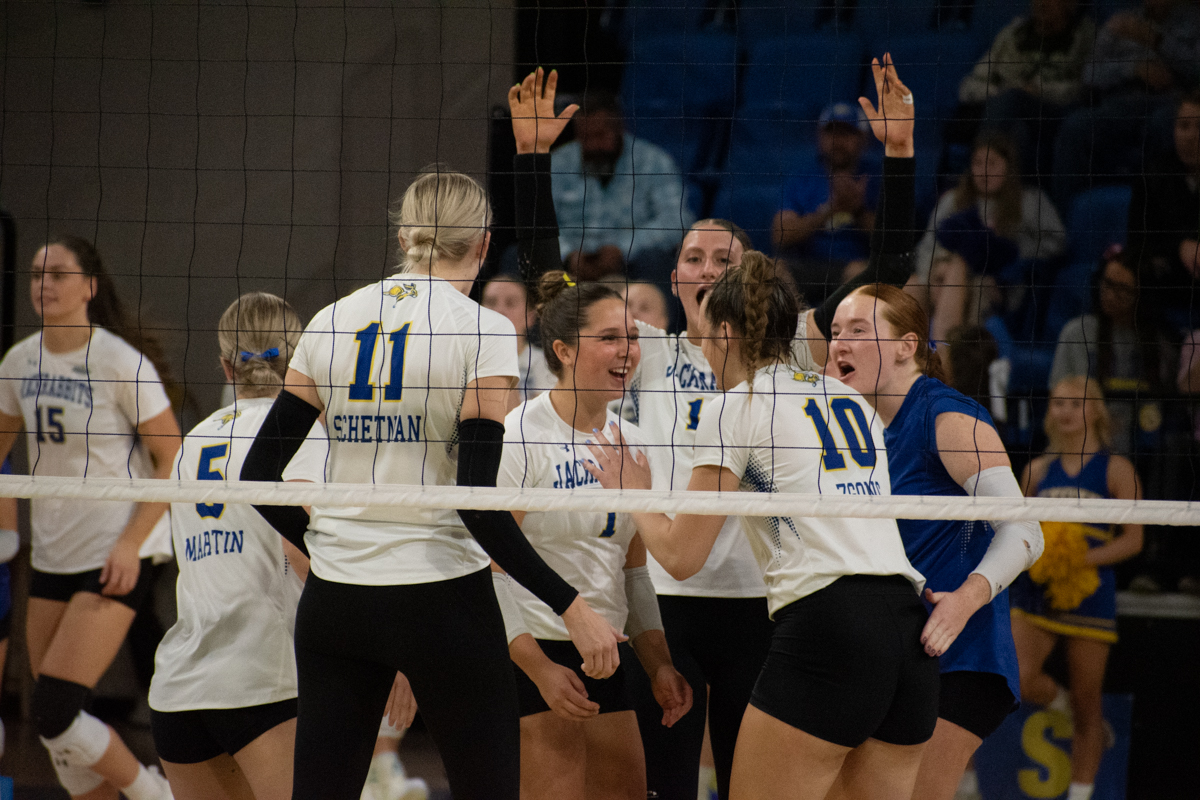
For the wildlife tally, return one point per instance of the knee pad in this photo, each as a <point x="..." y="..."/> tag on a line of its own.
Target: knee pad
<point x="80" y="745"/>
<point x="76" y="780"/>
<point x="56" y="704"/>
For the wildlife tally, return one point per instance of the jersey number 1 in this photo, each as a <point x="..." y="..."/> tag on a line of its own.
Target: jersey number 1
<point x="362" y="388"/>
<point x="862" y="448"/>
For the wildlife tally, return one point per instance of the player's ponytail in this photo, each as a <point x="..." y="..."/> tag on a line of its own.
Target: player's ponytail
<point x="441" y="215"/>
<point x="759" y="304"/>
<point x="257" y="335"/>
<point x="904" y="314"/>
<point x="563" y="306"/>
<point x="105" y="310"/>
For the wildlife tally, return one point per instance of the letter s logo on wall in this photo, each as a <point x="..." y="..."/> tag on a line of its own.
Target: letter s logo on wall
<point x="1053" y="760"/>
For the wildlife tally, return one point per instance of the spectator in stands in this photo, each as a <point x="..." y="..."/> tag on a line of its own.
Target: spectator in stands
<point x="647" y="304"/>
<point x="1124" y="347"/>
<point x="828" y="214"/>
<point x="1031" y="76"/>
<point x="620" y="201"/>
<point x="1164" y="223"/>
<point x="967" y="360"/>
<point x="1022" y="222"/>
<point x="1141" y="59"/>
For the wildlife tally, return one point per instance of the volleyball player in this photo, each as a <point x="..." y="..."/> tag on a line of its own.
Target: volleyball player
<point x="846" y="686"/>
<point x="407" y="371"/>
<point x="579" y="736"/>
<point x="940" y="442"/>
<point x="91" y="404"/>
<point x="509" y="296"/>
<point x="716" y="621"/>
<point x="1077" y="463"/>
<point x="223" y="697"/>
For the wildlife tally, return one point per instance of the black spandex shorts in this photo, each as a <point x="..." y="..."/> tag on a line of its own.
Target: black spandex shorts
<point x="846" y="664"/>
<point x="611" y="693"/>
<point x="190" y="737"/>
<point x="55" y="586"/>
<point x="976" y="701"/>
<point x="6" y="625"/>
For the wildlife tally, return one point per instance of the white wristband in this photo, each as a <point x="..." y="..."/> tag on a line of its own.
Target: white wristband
<point x="10" y="543"/>
<point x="642" y="601"/>
<point x="1015" y="545"/>
<point x="514" y="620"/>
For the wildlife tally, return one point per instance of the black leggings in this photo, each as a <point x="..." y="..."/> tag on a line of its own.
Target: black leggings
<point x="716" y="643"/>
<point x="448" y="638"/>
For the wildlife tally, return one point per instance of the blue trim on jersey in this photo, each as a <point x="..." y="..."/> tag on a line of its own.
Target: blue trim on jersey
<point x="946" y="551"/>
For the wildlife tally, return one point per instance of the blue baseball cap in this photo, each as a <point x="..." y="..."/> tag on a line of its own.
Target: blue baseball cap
<point x="845" y="113"/>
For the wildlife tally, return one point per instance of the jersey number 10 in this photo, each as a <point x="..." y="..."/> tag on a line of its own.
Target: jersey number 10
<point x="362" y="388"/>
<point x="857" y="433"/>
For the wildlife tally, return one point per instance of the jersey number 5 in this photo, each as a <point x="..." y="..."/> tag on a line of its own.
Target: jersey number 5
<point x="857" y="433"/>
<point x="206" y="472"/>
<point x="362" y="388"/>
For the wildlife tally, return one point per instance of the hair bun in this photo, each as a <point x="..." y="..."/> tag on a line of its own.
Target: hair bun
<point x="552" y="284"/>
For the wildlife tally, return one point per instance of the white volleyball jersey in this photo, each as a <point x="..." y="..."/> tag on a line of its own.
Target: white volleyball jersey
<point x="391" y="363"/>
<point x="231" y="646"/>
<point x="587" y="549"/>
<point x="536" y="376"/>
<point x="670" y="391"/>
<point x="801" y="432"/>
<point x="81" y="411"/>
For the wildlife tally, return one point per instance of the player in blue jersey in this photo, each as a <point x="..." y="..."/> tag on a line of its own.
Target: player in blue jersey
<point x="941" y="442"/>
<point x="1077" y="463"/>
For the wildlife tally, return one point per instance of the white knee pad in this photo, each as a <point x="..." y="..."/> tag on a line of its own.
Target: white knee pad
<point x="76" y="780"/>
<point x="81" y="745"/>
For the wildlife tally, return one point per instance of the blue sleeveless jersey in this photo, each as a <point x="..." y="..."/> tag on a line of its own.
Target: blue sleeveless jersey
<point x="946" y="552"/>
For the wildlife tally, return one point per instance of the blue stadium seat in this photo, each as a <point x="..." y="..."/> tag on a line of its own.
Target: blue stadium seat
<point x="641" y="17"/>
<point x="768" y="147"/>
<point x="751" y="204"/>
<point x="989" y="17"/>
<point x="1098" y="217"/>
<point x="794" y="77"/>
<point x="932" y="65"/>
<point x="882" y="20"/>
<point x="766" y="19"/>
<point x="679" y="92"/>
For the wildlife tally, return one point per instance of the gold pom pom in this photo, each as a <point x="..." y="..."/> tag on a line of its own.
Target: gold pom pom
<point x="1063" y="567"/>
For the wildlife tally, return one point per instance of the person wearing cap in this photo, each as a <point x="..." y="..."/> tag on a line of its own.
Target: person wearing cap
<point x="620" y="200"/>
<point x="828" y="212"/>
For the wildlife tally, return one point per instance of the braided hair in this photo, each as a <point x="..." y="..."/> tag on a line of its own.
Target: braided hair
<point x="758" y="302"/>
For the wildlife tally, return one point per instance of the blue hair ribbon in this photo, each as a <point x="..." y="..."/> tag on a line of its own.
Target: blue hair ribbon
<point x="265" y="354"/>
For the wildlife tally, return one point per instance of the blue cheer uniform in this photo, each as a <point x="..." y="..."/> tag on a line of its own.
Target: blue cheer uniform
<point x="1096" y="617"/>
<point x="947" y="551"/>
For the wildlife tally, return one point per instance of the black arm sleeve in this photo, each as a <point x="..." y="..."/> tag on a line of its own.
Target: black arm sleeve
<point x="480" y="444"/>
<point x="282" y="432"/>
<point x="892" y="241"/>
<point x="537" y="223"/>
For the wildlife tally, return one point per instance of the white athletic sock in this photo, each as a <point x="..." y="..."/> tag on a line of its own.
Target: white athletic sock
<point x="708" y="783"/>
<point x="147" y="786"/>
<point x="1080" y="791"/>
<point x="1061" y="702"/>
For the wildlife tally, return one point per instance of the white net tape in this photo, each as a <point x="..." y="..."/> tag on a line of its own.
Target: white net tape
<point x="1145" y="512"/>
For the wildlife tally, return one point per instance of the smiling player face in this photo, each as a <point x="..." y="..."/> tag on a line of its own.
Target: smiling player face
<point x="606" y="354"/>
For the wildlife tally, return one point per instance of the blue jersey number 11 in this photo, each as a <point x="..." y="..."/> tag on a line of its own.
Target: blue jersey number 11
<point x="362" y="388"/>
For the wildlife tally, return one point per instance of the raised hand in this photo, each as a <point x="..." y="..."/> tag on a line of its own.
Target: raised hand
<point x="892" y="121"/>
<point x="535" y="127"/>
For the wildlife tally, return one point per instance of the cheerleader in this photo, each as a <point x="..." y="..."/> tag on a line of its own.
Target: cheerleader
<point x="716" y="620"/>
<point x="846" y="686"/>
<point x="238" y="586"/>
<point x="940" y="442"/>
<point x="579" y="736"/>
<point x="414" y="379"/>
<point x="1077" y="463"/>
<point x="88" y="394"/>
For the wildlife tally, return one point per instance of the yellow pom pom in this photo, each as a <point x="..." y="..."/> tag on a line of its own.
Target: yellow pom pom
<point x="1063" y="567"/>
